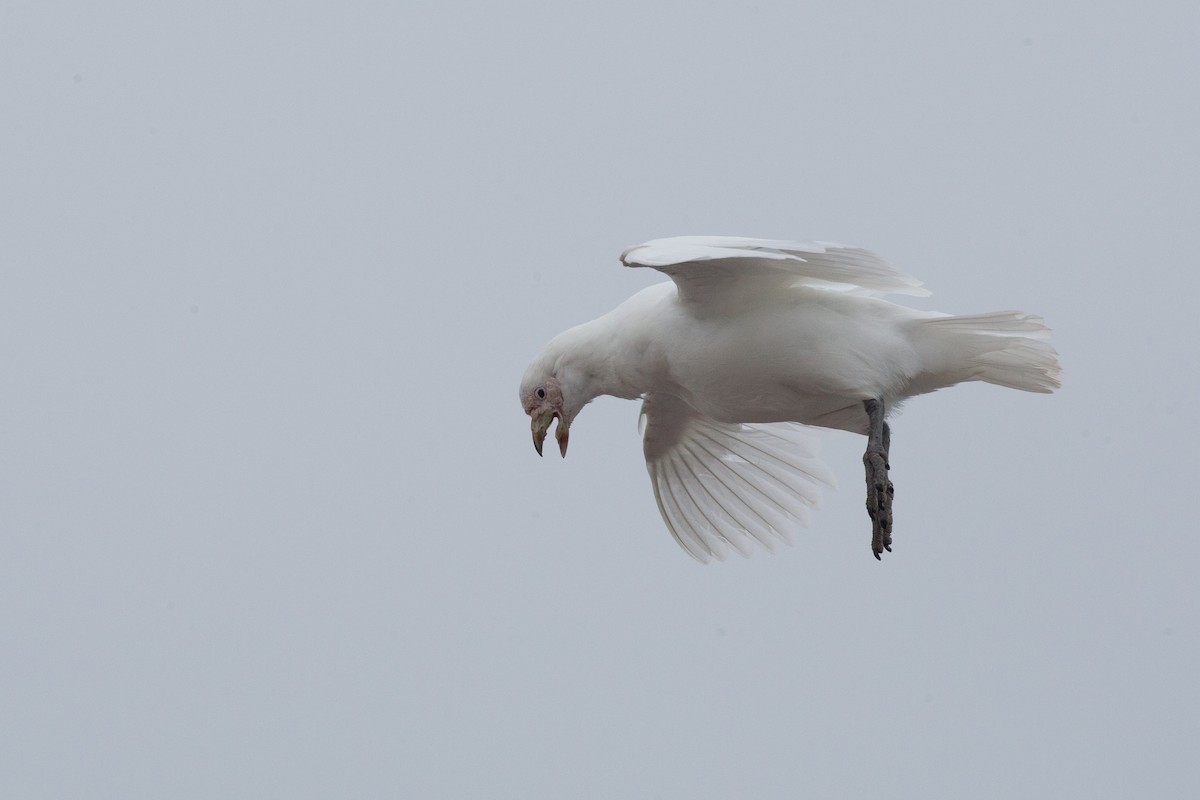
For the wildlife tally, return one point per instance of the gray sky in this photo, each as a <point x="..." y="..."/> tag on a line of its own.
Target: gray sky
<point x="271" y="522"/>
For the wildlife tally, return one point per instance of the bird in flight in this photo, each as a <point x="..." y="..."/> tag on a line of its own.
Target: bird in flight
<point x="751" y="344"/>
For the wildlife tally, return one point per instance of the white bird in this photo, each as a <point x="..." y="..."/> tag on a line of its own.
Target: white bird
<point x="751" y="342"/>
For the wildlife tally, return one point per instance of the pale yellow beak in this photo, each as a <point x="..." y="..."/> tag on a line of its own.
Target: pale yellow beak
<point x="540" y="424"/>
<point x="561" y="433"/>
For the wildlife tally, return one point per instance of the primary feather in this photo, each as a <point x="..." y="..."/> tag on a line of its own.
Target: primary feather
<point x="727" y="263"/>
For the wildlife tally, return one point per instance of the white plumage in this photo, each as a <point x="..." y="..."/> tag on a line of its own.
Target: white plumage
<point x="752" y="341"/>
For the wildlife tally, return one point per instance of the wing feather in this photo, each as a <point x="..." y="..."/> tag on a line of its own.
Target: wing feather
<point x="724" y="493"/>
<point x="703" y="506"/>
<point x="723" y="487"/>
<point x="777" y="492"/>
<point x="709" y="269"/>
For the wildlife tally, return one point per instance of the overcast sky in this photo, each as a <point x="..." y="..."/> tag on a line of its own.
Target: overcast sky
<point x="270" y="520"/>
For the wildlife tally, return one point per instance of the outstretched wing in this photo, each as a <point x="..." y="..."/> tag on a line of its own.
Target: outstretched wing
<point x="723" y="487"/>
<point x="711" y="269"/>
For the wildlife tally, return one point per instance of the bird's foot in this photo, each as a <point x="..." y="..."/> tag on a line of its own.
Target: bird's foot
<point x="879" y="500"/>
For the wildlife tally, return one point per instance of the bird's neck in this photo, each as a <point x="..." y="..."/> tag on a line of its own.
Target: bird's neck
<point x="601" y="358"/>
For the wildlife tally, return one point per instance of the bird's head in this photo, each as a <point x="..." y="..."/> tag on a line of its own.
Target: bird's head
<point x="568" y="374"/>
<point x="542" y="399"/>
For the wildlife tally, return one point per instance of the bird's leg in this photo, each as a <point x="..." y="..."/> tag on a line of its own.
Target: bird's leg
<point x="879" y="487"/>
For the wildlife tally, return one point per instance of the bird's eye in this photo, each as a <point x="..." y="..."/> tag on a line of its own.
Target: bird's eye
<point x="541" y="393"/>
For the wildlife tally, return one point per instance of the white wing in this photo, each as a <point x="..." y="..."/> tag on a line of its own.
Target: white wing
<point x="721" y="486"/>
<point x="708" y="269"/>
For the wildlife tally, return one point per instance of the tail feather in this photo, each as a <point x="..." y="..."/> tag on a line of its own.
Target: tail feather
<point x="1007" y="348"/>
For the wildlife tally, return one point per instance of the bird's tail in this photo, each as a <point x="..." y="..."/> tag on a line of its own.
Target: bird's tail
<point x="1007" y="348"/>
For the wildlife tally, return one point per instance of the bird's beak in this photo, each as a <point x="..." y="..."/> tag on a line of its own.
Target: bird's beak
<point x="561" y="433"/>
<point x="540" y="424"/>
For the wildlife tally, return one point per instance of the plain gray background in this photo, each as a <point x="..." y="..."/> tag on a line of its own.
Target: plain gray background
<point x="271" y="521"/>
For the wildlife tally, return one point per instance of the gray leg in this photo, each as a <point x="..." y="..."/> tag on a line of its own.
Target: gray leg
<point x="879" y="487"/>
